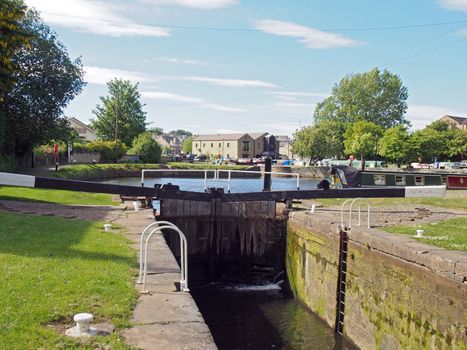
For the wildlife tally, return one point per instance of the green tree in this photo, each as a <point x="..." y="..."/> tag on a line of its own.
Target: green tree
<point x="121" y="115"/>
<point x="395" y="145"/>
<point x="148" y="149"/>
<point x="45" y="83"/>
<point x="457" y="143"/>
<point x="374" y="96"/>
<point x="362" y="138"/>
<point x="428" y="143"/>
<point x="12" y="38"/>
<point x="180" y="133"/>
<point x="319" y="141"/>
<point x="187" y="145"/>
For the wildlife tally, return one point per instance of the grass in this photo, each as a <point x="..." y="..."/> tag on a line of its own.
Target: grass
<point x="443" y="202"/>
<point x="55" y="196"/>
<point x="89" y="171"/>
<point x="53" y="268"/>
<point x="177" y="165"/>
<point x="449" y="234"/>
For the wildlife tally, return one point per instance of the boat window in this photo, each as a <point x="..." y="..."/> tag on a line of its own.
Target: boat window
<point x="443" y="180"/>
<point x="400" y="180"/>
<point x="419" y="180"/>
<point x="380" y="179"/>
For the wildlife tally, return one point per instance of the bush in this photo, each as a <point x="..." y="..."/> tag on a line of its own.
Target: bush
<point x="148" y="149"/>
<point x="7" y="163"/>
<point x="110" y="151"/>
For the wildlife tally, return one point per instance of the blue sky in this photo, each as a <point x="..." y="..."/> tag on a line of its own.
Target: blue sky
<point x="212" y="66"/>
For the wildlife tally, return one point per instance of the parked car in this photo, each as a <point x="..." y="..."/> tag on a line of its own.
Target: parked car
<point x="200" y="158"/>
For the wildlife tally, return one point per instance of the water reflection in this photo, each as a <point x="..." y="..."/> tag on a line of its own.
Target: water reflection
<point x="248" y="318"/>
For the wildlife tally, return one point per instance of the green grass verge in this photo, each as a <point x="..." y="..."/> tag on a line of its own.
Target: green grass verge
<point x="53" y="268"/>
<point x="449" y="234"/>
<point x="55" y="196"/>
<point x="97" y="171"/>
<point x="444" y="202"/>
<point x="176" y="165"/>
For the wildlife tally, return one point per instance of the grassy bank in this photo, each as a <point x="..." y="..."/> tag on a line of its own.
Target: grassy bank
<point x="201" y="166"/>
<point x="55" y="196"/>
<point x="449" y="234"/>
<point x="101" y="171"/>
<point x="444" y="202"/>
<point x="53" y="268"/>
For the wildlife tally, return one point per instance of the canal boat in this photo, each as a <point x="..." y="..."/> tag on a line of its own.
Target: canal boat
<point x="413" y="178"/>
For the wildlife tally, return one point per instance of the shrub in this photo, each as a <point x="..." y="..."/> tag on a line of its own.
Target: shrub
<point x="148" y="149"/>
<point x="110" y="151"/>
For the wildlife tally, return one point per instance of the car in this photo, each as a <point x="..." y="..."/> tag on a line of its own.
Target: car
<point x="200" y="158"/>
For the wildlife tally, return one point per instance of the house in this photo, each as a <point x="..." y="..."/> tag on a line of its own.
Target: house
<point x="171" y="144"/>
<point x="285" y="147"/>
<point x="455" y="122"/>
<point x="234" y="146"/>
<point x="84" y="131"/>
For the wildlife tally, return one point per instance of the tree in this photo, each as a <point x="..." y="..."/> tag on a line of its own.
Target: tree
<point x="319" y="141"/>
<point x="180" y="133"/>
<point x="374" y="96"/>
<point x="362" y="138"/>
<point x="121" y="115"/>
<point x="46" y="81"/>
<point x="12" y="38"/>
<point x="148" y="149"/>
<point x="457" y="143"/>
<point x="431" y="141"/>
<point x="187" y="145"/>
<point x="394" y="145"/>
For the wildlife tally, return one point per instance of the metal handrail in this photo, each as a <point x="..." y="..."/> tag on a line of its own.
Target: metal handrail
<point x="205" y="171"/>
<point x="359" y="212"/>
<point x="229" y="172"/>
<point x="183" y="253"/>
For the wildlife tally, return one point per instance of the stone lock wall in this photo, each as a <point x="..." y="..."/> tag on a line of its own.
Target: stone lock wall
<point x="400" y="294"/>
<point x="241" y="240"/>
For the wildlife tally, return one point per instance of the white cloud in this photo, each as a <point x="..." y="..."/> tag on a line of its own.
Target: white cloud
<point x="421" y="115"/>
<point x="232" y="82"/>
<point x="162" y="95"/>
<point x="459" y="5"/>
<point x="200" y="4"/>
<point x="298" y="94"/>
<point x="92" y="17"/>
<point x="175" y="60"/>
<point x="310" y="37"/>
<point x="98" y="75"/>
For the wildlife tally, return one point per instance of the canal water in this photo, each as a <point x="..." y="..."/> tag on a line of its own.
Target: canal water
<point x="236" y="185"/>
<point x="262" y="317"/>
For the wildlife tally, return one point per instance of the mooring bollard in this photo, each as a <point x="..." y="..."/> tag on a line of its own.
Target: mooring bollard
<point x="136" y="206"/>
<point x="83" y="326"/>
<point x="107" y="227"/>
<point x="420" y="233"/>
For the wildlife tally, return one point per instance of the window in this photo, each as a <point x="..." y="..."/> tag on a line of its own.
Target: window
<point x="400" y="180"/>
<point x="196" y="145"/>
<point x="246" y="146"/>
<point x="380" y="180"/>
<point x="228" y="144"/>
<point x="244" y="155"/>
<point x="419" y="180"/>
<point x="204" y="145"/>
<point x="443" y="180"/>
<point x="212" y="145"/>
<point x="219" y="145"/>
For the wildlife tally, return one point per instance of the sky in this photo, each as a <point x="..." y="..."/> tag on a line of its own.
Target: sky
<point x="227" y="66"/>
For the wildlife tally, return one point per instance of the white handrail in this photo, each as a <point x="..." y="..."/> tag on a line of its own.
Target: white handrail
<point x="205" y="171"/>
<point x="183" y="253"/>
<point x="342" y="212"/>
<point x="359" y="212"/>
<point x="229" y="172"/>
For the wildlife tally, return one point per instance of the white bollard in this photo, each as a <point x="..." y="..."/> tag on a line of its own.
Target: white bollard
<point x="83" y="326"/>
<point x="136" y="206"/>
<point x="420" y="233"/>
<point x="107" y="227"/>
<point x="312" y="209"/>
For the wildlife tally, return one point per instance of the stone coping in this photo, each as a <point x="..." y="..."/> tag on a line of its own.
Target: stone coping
<point x="449" y="263"/>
